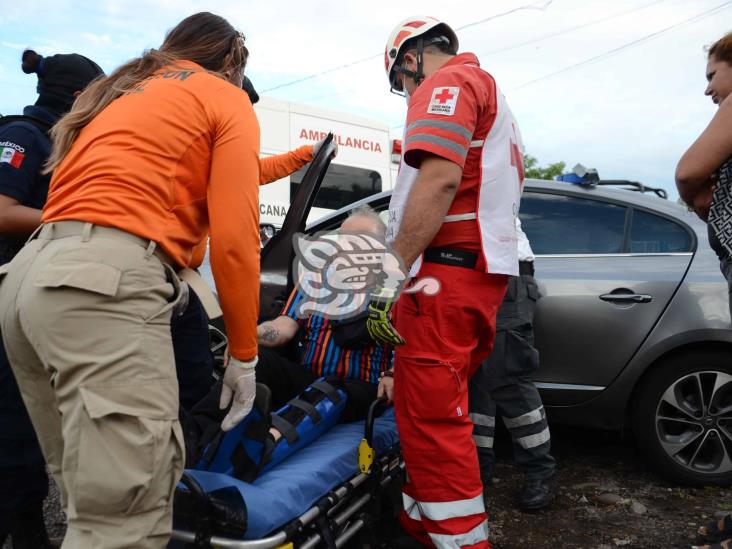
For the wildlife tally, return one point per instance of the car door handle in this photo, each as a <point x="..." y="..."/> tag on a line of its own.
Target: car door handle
<point x="623" y="298"/>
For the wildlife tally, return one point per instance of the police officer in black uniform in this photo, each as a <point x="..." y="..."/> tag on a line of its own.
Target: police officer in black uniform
<point x="503" y="385"/>
<point x="24" y="147"/>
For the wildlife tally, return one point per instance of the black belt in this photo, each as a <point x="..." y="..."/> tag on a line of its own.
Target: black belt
<point x="456" y="257"/>
<point x="526" y="268"/>
<point x="451" y="256"/>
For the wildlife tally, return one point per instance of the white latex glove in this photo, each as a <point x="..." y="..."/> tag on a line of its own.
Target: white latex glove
<point x="241" y="384"/>
<point x="316" y="148"/>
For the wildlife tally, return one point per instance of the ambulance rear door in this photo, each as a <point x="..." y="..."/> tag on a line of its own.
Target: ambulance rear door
<point x="274" y="125"/>
<point x="362" y="167"/>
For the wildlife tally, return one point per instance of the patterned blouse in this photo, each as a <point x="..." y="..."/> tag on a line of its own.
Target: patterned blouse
<point x="720" y="213"/>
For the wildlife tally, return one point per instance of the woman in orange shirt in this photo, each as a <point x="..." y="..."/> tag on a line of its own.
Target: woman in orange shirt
<point x="149" y="160"/>
<point x="191" y="342"/>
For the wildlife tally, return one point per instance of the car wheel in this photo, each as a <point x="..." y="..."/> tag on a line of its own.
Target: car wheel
<point x="218" y="341"/>
<point x="683" y="418"/>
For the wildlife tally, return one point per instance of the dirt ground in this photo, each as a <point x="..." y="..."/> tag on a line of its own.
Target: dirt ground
<point x="607" y="497"/>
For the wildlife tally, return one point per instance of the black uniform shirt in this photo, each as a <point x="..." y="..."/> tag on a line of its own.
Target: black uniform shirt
<point x="24" y="148"/>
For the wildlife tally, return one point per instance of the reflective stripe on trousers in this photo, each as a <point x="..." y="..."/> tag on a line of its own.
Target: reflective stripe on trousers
<point x="483" y="430"/>
<point x="523" y="427"/>
<point x="445" y="510"/>
<point x="442" y="510"/>
<point x="532" y="441"/>
<point x="534" y="416"/>
<point x="476" y="535"/>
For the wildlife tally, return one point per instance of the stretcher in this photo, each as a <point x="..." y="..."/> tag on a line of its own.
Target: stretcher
<point x="321" y="496"/>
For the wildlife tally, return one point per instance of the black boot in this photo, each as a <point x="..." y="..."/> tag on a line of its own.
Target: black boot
<point x="28" y="530"/>
<point x="536" y="494"/>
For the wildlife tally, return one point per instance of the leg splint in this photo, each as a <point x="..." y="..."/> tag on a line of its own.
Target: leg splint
<point x="249" y="449"/>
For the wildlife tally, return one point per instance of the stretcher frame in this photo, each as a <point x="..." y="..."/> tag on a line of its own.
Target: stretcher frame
<point x="333" y="520"/>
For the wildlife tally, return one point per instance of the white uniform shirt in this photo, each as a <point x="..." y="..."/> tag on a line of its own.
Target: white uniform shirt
<point x="525" y="253"/>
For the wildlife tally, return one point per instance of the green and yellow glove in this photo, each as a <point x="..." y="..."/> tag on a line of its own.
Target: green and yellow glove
<point x="378" y="323"/>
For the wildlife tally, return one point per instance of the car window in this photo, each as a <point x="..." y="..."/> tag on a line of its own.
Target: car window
<point x="558" y="224"/>
<point x="342" y="186"/>
<point x="653" y="234"/>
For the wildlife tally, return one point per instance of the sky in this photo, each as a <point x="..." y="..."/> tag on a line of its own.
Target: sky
<point x="617" y="85"/>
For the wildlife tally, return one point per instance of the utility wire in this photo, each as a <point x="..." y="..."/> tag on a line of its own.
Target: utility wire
<point x="319" y="74"/>
<point x="544" y="5"/>
<point x="570" y="29"/>
<point x="619" y="49"/>
<point x="528" y="7"/>
<point x="519" y="45"/>
<point x="626" y="46"/>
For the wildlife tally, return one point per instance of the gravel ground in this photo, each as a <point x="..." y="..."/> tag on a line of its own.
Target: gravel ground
<point x="607" y="497"/>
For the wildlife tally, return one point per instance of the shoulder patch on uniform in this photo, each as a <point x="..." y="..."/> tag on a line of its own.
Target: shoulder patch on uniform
<point x="11" y="153"/>
<point x="444" y="100"/>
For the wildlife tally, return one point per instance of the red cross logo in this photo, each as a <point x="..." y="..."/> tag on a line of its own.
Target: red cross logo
<point x="517" y="161"/>
<point x="444" y="96"/>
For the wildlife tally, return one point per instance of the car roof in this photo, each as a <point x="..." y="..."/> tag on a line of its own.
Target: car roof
<point x="628" y="197"/>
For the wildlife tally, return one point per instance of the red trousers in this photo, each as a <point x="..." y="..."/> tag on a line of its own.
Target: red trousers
<point x="447" y="337"/>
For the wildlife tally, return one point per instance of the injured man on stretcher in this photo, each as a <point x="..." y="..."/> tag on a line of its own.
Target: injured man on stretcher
<point x="338" y="372"/>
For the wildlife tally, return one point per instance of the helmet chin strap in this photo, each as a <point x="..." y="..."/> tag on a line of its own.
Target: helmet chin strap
<point x="417" y="75"/>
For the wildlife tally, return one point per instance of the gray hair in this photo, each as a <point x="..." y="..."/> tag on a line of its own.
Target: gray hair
<point x="364" y="210"/>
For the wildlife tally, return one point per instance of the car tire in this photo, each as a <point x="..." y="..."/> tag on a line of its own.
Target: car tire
<point x="682" y="418"/>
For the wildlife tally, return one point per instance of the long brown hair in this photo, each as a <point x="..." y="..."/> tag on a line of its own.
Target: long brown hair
<point x="204" y="38"/>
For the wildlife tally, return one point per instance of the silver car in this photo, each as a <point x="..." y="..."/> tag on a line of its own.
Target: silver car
<point x="633" y="326"/>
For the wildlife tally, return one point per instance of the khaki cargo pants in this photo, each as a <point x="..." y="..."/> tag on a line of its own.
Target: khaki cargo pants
<point x="85" y="318"/>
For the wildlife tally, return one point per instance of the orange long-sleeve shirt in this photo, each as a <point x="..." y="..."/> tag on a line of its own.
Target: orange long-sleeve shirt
<point x="276" y="167"/>
<point x="172" y="161"/>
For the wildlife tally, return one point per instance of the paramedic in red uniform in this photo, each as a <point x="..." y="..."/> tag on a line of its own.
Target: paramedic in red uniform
<point x="452" y="218"/>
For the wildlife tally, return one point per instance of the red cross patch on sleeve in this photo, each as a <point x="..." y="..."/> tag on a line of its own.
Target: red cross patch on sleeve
<point x="444" y="101"/>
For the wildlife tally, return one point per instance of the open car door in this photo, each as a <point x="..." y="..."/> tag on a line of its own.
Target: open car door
<point x="278" y="254"/>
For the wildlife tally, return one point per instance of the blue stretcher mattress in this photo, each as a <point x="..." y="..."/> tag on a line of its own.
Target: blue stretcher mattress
<point x="292" y="487"/>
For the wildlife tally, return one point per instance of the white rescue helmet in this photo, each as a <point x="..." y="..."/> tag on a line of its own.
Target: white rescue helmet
<point x="412" y="27"/>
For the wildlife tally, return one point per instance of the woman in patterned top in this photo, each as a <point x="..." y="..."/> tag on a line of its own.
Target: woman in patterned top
<point x="704" y="173"/>
<point x="704" y="181"/>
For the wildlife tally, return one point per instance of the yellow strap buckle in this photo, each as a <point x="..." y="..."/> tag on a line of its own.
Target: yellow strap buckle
<point x="365" y="456"/>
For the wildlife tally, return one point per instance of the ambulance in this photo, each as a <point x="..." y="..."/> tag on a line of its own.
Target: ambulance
<point x="364" y="165"/>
